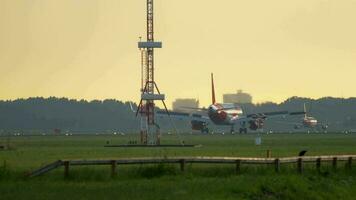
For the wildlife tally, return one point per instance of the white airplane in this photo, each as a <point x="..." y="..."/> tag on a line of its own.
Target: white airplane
<point x="226" y="114"/>
<point x="307" y="122"/>
<point x="310" y="122"/>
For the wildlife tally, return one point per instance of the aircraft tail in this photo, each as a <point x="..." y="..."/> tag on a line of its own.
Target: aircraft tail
<point x="305" y="111"/>
<point x="212" y="89"/>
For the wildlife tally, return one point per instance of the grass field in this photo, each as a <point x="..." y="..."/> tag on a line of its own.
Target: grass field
<point x="166" y="181"/>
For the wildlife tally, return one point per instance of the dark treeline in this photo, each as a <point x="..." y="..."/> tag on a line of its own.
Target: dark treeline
<point x="47" y="114"/>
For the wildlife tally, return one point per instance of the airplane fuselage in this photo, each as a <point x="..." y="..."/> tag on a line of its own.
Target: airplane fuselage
<point x="310" y="122"/>
<point x="224" y="114"/>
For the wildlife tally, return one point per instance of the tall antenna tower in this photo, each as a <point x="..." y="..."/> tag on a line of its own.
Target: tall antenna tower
<point x="150" y="130"/>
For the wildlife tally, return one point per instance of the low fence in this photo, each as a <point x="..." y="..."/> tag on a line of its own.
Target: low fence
<point x="182" y="161"/>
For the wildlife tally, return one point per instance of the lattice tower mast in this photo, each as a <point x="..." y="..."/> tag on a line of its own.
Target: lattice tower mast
<point x="149" y="128"/>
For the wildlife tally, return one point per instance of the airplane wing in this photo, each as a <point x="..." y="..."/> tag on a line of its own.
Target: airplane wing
<point x="288" y="123"/>
<point x="200" y="117"/>
<point x="298" y="113"/>
<point x="259" y="118"/>
<point x="292" y="114"/>
<point x="176" y="115"/>
<point x="193" y="108"/>
<point x="183" y="115"/>
<point x="267" y="114"/>
<point x="192" y="117"/>
<point x="197" y="121"/>
<point x="274" y="114"/>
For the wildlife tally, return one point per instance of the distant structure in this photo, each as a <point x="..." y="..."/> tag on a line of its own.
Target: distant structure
<point x="239" y="98"/>
<point x="184" y="104"/>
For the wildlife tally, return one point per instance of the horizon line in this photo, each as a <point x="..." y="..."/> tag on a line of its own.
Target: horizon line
<point x="124" y="101"/>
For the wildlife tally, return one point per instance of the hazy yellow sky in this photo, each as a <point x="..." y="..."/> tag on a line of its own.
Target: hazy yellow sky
<point x="88" y="48"/>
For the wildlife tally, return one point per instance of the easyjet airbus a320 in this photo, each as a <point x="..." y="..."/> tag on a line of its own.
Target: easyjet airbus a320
<point x="226" y="114"/>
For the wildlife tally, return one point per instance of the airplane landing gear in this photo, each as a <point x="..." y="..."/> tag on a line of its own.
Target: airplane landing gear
<point x="243" y="130"/>
<point x="205" y="130"/>
<point x="232" y="130"/>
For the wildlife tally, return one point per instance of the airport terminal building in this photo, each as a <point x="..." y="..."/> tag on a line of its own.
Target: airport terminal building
<point x="182" y="105"/>
<point x="239" y="97"/>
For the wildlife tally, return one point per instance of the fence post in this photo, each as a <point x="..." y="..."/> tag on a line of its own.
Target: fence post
<point x="277" y="164"/>
<point x="349" y="163"/>
<point x="238" y="166"/>
<point x="335" y="163"/>
<point x="113" y="168"/>
<point x="66" y="168"/>
<point x="300" y="165"/>
<point x="182" y="165"/>
<point x="318" y="164"/>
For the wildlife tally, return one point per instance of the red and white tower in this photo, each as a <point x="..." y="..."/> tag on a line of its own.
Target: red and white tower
<point x="150" y="133"/>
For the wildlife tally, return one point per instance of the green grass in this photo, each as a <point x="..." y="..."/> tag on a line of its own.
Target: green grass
<point x="166" y="181"/>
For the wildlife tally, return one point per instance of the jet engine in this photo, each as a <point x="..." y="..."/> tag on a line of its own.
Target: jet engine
<point x="222" y="114"/>
<point x="256" y="124"/>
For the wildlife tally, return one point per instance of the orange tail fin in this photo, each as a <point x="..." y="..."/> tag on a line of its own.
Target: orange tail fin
<point x="212" y="89"/>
